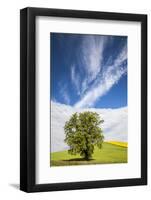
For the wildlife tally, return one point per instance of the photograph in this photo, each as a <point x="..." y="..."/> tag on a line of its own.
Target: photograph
<point x="88" y="99"/>
<point x="83" y="99"/>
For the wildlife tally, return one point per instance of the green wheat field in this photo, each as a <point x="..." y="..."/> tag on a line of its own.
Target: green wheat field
<point x="111" y="152"/>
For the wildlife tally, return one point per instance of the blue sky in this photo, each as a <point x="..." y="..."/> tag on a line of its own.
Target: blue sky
<point x="88" y="70"/>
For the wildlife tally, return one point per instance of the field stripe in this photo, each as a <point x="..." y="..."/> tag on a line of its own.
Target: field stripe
<point x="118" y="143"/>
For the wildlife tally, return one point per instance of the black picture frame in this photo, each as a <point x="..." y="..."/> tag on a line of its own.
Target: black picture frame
<point x="28" y="99"/>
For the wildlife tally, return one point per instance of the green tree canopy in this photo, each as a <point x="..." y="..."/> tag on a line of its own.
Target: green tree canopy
<point x="83" y="131"/>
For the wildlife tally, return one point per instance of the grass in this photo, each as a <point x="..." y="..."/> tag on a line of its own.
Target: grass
<point x="109" y="154"/>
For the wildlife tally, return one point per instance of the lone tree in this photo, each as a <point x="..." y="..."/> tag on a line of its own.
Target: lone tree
<point x="83" y="132"/>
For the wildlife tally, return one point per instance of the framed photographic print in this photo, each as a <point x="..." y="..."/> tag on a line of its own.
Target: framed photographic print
<point x="83" y="99"/>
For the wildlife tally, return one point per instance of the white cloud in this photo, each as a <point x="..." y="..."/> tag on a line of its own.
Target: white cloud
<point x="114" y="126"/>
<point x="75" y="78"/>
<point x="92" y="48"/>
<point x="92" y="52"/>
<point x="64" y="94"/>
<point x="66" y="98"/>
<point x="104" y="83"/>
<point x="122" y="56"/>
<point x="90" y="56"/>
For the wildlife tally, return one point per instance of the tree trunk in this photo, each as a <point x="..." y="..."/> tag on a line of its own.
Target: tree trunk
<point x="86" y="155"/>
<point x="86" y="151"/>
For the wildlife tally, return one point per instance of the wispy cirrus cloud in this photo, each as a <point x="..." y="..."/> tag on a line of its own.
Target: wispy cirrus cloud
<point x="97" y="63"/>
<point x="64" y="94"/>
<point x="105" y="79"/>
<point x="92" y="56"/>
<point x="75" y="78"/>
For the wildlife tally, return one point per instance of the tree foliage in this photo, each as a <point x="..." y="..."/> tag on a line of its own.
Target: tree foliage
<point x="83" y="132"/>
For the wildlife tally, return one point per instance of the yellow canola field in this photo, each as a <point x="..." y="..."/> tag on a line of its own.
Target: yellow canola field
<point x="121" y="144"/>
